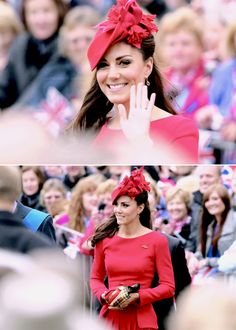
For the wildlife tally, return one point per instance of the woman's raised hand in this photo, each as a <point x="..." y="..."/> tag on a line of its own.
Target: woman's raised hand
<point x="136" y="123"/>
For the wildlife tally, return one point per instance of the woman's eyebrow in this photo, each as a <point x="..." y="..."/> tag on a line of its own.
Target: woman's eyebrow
<point x="120" y="57"/>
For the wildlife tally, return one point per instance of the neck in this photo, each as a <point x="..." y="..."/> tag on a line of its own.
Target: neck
<point x="6" y="206"/>
<point x="131" y="230"/>
<point x="218" y="218"/>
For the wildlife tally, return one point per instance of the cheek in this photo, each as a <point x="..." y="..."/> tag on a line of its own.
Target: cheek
<point x="101" y="75"/>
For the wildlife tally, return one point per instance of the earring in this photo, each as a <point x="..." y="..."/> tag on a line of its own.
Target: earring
<point x="147" y="82"/>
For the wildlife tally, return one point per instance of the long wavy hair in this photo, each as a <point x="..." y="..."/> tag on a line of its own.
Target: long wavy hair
<point x="110" y="227"/>
<point x="207" y="218"/>
<point x="95" y="107"/>
<point x="76" y="210"/>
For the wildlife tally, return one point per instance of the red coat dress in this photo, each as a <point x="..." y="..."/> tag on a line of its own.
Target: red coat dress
<point x="127" y="261"/>
<point x="176" y="133"/>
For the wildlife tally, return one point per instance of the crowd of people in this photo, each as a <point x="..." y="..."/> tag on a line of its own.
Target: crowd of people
<point x="45" y="72"/>
<point x="92" y="212"/>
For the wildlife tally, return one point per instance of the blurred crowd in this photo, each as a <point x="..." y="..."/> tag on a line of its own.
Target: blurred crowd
<point x="44" y="69"/>
<point x="186" y="202"/>
<point x="62" y="205"/>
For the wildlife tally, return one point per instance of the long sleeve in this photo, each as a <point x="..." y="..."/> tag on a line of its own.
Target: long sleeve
<point x="98" y="271"/>
<point x="166" y="287"/>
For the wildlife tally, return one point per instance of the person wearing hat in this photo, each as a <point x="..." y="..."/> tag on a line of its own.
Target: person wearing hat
<point x="126" y="103"/>
<point x="129" y="253"/>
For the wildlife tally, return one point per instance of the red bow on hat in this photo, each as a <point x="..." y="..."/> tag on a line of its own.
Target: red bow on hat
<point x="131" y="186"/>
<point x="125" y="21"/>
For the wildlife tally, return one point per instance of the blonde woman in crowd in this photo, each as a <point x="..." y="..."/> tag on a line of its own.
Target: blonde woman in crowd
<point x="10" y="27"/>
<point x="177" y="222"/>
<point x="181" y="53"/>
<point x="54" y="196"/>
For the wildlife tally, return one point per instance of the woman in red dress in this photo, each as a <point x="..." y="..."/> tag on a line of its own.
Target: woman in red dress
<point x="128" y="252"/>
<point x="126" y="104"/>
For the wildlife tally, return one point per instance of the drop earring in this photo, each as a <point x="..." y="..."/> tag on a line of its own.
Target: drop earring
<point x="147" y="82"/>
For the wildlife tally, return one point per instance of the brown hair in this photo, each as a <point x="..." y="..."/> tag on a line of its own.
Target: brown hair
<point x="37" y="171"/>
<point x="76" y="209"/>
<point x="96" y="106"/>
<point x="110" y="227"/>
<point x="61" y="7"/>
<point x="207" y="218"/>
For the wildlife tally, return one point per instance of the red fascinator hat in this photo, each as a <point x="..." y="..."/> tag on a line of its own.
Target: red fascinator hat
<point x="125" y="21"/>
<point x="131" y="186"/>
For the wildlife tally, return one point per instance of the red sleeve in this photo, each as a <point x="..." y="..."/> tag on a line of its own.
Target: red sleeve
<point x="187" y="137"/>
<point x="166" y="287"/>
<point x="98" y="271"/>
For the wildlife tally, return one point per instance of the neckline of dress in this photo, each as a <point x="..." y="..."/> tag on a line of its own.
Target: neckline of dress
<point x="135" y="236"/>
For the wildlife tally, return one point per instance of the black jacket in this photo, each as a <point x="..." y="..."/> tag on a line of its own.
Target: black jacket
<point x="196" y="213"/>
<point x="16" y="237"/>
<point x="27" y="57"/>
<point x="45" y="228"/>
<point x="182" y="280"/>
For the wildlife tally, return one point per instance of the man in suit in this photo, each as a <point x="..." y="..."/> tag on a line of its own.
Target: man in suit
<point x="14" y="235"/>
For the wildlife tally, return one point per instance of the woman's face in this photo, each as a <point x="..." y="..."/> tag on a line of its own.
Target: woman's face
<point x="214" y="204"/>
<point x="42" y="18"/>
<point x="30" y="183"/>
<point x="182" y="50"/>
<point x="89" y="201"/>
<point x="6" y="38"/>
<point x="122" y="67"/>
<point x="77" y="41"/>
<point x="127" y="210"/>
<point x="177" y="209"/>
<point x="52" y="196"/>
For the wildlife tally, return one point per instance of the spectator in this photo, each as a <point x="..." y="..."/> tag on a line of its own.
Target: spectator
<point x="208" y="175"/>
<point x="10" y="27"/>
<point x="181" y="44"/>
<point x="73" y="174"/>
<point x="35" y="220"/>
<point x="32" y="182"/>
<point x="218" y="226"/>
<point x="53" y="196"/>
<point x="67" y="71"/>
<point x="32" y="49"/>
<point x="13" y="234"/>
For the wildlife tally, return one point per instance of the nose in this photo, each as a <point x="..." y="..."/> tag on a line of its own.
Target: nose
<point x="113" y="72"/>
<point x="116" y="209"/>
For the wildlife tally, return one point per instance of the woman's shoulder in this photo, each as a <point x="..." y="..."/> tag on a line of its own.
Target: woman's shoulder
<point x="21" y="40"/>
<point x="175" y="121"/>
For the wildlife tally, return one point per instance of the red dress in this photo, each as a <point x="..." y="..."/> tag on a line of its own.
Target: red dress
<point x="127" y="261"/>
<point x="176" y="133"/>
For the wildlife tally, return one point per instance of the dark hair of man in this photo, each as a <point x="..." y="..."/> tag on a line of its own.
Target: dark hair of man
<point x="96" y="106"/>
<point x="110" y="227"/>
